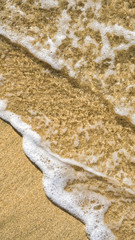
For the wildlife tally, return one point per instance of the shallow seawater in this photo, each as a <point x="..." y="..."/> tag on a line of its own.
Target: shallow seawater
<point x="68" y="70"/>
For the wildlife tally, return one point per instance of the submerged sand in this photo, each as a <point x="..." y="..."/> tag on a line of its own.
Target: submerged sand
<point x="26" y="213"/>
<point x="76" y="119"/>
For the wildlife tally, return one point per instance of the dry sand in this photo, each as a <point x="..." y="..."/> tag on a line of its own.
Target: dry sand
<point x="25" y="211"/>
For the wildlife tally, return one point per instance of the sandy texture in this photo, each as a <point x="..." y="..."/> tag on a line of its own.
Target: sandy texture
<point x="27" y="85"/>
<point x="81" y="117"/>
<point x="25" y="211"/>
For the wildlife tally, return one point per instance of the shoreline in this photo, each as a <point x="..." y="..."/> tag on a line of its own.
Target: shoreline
<point x="26" y="212"/>
<point x="84" y="113"/>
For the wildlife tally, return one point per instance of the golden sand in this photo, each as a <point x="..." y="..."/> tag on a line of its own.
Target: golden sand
<point x="25" y="211"/>
<point x="72" y="107"/>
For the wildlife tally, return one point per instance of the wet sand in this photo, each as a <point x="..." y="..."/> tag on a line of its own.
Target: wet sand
<point x="26" y="213"/>
<point x="39" y="94"/>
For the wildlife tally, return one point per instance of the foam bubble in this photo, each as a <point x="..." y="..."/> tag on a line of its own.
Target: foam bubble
<point x="3" y="105"/>
<point x="48" y="4"/>
<point x="133" y="119"/>
<point x="37" y="50"/>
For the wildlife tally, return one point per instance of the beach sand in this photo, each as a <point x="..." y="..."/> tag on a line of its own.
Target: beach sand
<point x="77" y="118"/>
<point x="26" y="213"/>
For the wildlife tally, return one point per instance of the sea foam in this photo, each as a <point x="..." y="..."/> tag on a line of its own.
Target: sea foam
<point x="46" y="47"/>
<point x="57" y="172"/>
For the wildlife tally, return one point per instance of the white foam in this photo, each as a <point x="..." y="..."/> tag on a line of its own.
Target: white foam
<point x="76" y="141"/>
<point x="1" y="79"/>
<point x="14" y="9"/>
<point x="32" y="112"/>
<point x="127" y="181"/>
<point x="95" y="7"/>
<point x="132" y="117"/>
<point x="89" y="40"/>
<point x="57" y="172"/>
<point x="67" y="30"/>
<point x="125" y="112"/>
<point x="36" y="49"/>
<point x="45" y="4"/>
<point x="121" y="111"/>
<point x="107" y="51"/>
<point x="3" y="105"/>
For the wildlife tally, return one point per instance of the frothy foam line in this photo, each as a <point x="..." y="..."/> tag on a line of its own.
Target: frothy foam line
<point x="50" y="56"/>
<point x="26" y="41"/>
<point x="57" y="173"/>
<point x="26" y="129"/>
<point x="45" y="4"/>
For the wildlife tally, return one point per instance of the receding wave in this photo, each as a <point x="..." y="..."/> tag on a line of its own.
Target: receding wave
<point x="81" y="108"/>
